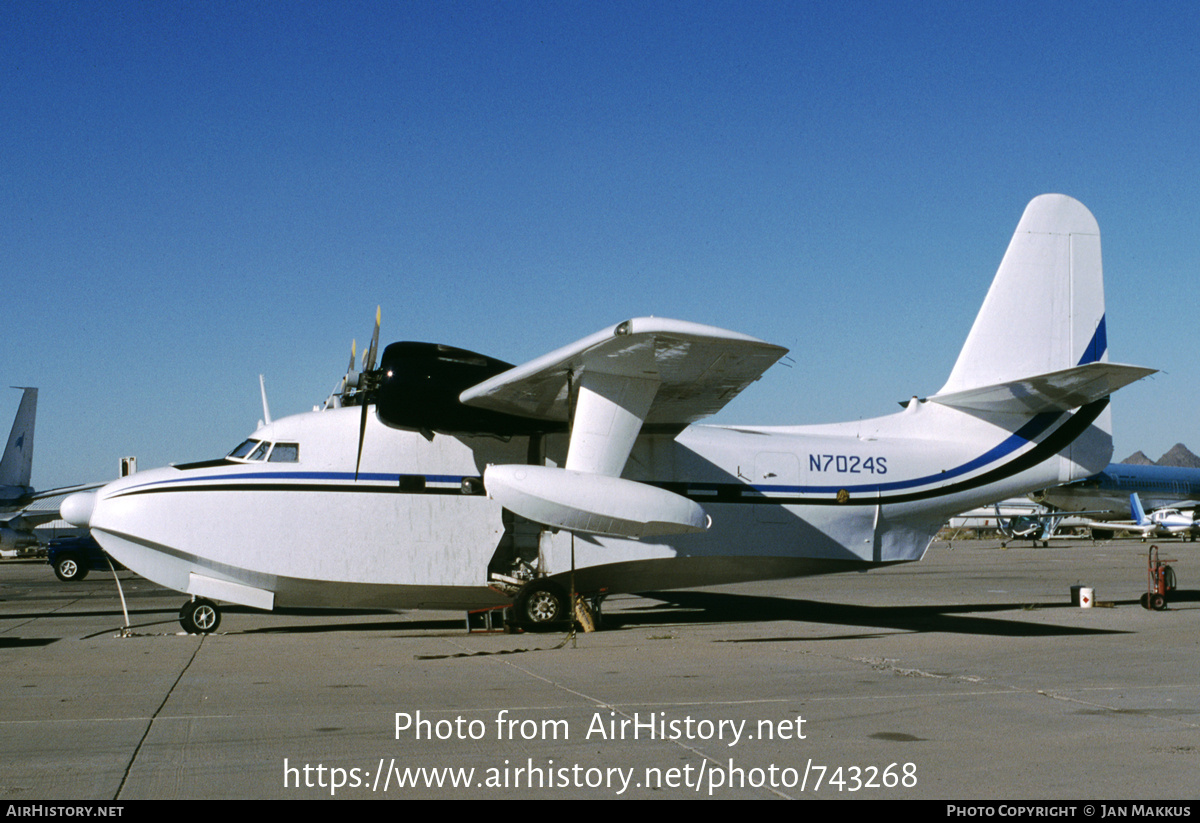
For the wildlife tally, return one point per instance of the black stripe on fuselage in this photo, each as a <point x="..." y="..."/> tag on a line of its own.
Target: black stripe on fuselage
<point x="700" y="492"/>
<point x="1058" y="440"/>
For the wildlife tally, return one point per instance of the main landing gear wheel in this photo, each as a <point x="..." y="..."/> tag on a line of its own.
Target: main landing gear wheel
<point x="541" y="604"/>
<point x="199" y="616"/>
<point x="69" y="568"/>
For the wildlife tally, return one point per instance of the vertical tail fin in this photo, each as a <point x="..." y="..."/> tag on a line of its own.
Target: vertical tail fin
<point x="1045" y="309"/>
<point x="1040" y="342"/>
<point x="17" y="464"/>
<point x="1136" y="511"/>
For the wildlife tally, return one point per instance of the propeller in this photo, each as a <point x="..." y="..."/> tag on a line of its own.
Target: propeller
<point x="351" y="389"/>
<point x="370" y="354"/>
<point x="368" y="381"/>
<point x="336" y="398"/>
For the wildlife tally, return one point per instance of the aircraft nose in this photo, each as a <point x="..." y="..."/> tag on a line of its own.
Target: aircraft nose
<point x="77" y="509"/>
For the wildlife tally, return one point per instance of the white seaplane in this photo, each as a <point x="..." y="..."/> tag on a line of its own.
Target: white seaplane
<point x="475" y="483"/>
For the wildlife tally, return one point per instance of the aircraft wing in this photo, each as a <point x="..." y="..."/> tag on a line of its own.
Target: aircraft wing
<point x="646" y="370"/>
<point x="1050" y="515"/>
<point x="697" y="369"/>
<point x="1127" y="526"/>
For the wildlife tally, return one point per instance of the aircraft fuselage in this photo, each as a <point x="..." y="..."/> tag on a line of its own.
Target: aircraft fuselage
<point x="416" y="529"/>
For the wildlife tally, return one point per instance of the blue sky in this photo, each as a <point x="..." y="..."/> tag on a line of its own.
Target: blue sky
<point x="196" y="193"/>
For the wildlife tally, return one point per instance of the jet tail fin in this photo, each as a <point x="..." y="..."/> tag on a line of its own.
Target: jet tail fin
<point x="16" y="466"/>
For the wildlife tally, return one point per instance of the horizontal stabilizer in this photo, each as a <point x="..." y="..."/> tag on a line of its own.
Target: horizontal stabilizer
<point x="591" y="503"/>
<point x="698" y="370"/>
<point x="1055" y="391"/>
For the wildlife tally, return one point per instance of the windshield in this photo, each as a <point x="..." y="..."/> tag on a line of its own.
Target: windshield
<point x="258" y="450"/>
<point x="241" y="451"/>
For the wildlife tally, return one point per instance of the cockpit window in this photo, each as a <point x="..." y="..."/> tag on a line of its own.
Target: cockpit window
<point x="261" y="452"/>
<point x="285" y="453"/>
<point x="241" y="451"/>
<point x="257" y="450"/>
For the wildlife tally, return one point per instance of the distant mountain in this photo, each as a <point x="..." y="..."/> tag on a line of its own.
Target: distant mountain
<point x="1181" y="457"/>
<point x="1138" y="459"/>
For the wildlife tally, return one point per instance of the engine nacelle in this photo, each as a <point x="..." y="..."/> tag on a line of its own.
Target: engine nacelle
<point x="13" y="540"/>
<point x="419" y="388"/>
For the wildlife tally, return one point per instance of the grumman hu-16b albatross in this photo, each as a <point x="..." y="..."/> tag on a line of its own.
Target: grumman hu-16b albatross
<point x="475" y="483"/>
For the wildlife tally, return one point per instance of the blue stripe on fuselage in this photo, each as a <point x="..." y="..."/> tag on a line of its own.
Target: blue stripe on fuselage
<point x="1021" y="437"/>
<point x="1014" y="442"/>
<point x="296" y="475"/>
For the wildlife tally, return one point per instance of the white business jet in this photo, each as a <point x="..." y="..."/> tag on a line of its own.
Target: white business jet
<point x="476" y="483"/>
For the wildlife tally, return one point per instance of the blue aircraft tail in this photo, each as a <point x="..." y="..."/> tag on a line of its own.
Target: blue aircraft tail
<point x="1136" y="511"/>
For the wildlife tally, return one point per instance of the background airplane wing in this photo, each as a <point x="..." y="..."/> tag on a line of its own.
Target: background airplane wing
<point x="697" y="368"/>
<point x="41" y="507"/>
<point x="1126" y="526"/>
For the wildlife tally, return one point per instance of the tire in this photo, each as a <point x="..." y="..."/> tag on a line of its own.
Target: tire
<point x="69" y="568"/>
<point x="199" y="616"/>
<point x="541" y="603"/>
<point x="1158" y="602"/>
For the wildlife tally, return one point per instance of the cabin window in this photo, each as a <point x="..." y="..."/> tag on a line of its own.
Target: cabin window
<point x="285" y="453"/>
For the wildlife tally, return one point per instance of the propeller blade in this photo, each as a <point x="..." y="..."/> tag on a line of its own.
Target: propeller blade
<point x="362" y="433"/>
<point x="367" y="383"/>
<point x="374" y="348"/>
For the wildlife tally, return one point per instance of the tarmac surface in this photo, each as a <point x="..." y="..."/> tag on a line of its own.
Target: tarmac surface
<point x="969" y="675"/>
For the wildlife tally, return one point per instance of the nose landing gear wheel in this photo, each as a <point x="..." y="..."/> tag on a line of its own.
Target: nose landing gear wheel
<point x="199" y="616"/>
